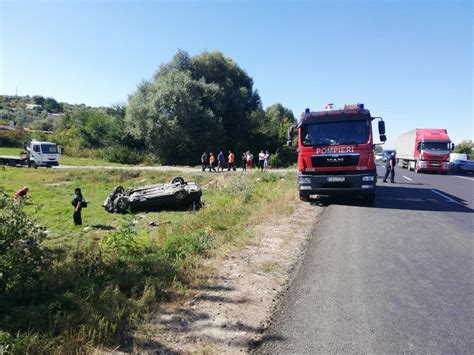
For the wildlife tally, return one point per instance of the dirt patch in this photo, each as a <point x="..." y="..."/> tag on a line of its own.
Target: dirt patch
<point x="231" y="310"/>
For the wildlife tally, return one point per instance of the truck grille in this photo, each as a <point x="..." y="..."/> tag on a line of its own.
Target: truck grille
<point x="336" y="185"/>
<point x="330" y="160"/>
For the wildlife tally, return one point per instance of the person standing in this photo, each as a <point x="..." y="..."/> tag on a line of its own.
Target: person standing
<point x="390" y="168"/>
<point x="244" y="161"/>
<point x="204" y="161"/>
<point x="220" y="161"/>
<point x="231" y="161"/>
<point x="212" y="162"/>
<point x="249" y="160"/>
<point x="77" y="203"/>
<point x="266" y="160"/>
<point x="261" y="158"/>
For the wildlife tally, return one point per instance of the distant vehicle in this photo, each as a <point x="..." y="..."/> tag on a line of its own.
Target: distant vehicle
<point x="176" y="195"/>
<point x="37" y="154"/>
<point x="336" y="152"/>
<point x="386" y="154"/>
<point x="424" y="150"/>
<point x="457" y="156"/>
<point x="378" y="156"/>
<point x="462" y="166"/>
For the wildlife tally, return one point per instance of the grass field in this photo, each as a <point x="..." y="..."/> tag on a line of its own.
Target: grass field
<point x="135" y="266"/>
<point x="64" y="159"/>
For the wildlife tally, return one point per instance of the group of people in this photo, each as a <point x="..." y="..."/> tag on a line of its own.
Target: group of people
<point x="211" y="161"/>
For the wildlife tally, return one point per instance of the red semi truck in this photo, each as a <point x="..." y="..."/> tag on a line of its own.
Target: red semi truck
<point x="336" y="152"/>
<point x="424" y="150"/>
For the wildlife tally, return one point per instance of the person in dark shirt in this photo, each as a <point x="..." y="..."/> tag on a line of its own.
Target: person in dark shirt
<point x="390" y="168"/>
<point x="77" y="203"/>
<point x="204" y="161"/>
<point x="220" y="161"/>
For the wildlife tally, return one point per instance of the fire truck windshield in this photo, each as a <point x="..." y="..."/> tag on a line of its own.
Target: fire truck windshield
<point x="335" y="133"/>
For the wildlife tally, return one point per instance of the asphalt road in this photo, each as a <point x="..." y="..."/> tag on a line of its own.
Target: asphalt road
<point x="397" y="277"/>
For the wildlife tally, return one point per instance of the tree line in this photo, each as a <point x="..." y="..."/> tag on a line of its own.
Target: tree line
<point x="191" y="104"/>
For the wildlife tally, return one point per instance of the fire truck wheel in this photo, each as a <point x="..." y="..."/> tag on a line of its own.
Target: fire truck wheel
<point x="369" y="199"/>
<point x="305" y="198"/>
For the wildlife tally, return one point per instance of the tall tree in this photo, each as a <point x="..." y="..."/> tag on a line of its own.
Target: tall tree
<point x="170" y="116"/>
<point x="193" y="104"/>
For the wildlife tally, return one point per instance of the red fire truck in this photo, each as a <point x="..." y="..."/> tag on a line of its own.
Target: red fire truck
<point x="336" y="152"/>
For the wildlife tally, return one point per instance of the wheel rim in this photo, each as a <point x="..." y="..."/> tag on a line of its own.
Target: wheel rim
<point x="180" y="194"/>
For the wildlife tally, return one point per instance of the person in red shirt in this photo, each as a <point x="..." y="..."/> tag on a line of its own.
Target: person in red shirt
<point x="22" y="192"/>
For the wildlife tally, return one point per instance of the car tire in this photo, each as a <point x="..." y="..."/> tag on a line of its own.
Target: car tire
<point x="178" y="179"/>
<point x="181" y="194"/>
<point x="118" y="190"/>
<point x="34" y="165"/>
<point x="121" y="204"/>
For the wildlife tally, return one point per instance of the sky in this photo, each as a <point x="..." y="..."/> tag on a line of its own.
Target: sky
<point x="407" y="61"/>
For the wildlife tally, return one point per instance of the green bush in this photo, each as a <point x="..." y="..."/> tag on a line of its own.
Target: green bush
<point x="22" y="260"/>
<point x="14" y="138"/>
<point x="121" y="154"/>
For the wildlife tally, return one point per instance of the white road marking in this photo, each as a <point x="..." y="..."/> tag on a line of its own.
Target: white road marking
<point x="407" y="178"/>
<point x="446" y="197"/>
<point x="464" y="177"/>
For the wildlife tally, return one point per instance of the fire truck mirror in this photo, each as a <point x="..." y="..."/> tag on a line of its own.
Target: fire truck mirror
<point x="289" y="138"/>
<point x="381" y="128"/>
<point x="452" y="146"/>
<point x="383" y="138"/>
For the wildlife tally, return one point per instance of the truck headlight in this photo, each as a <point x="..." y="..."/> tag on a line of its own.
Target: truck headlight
<point x="368" y="178"/>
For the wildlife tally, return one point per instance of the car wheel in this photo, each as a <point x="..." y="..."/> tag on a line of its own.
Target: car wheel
<point x="121" y="204"/>
<point x="178" y="179"/>
<point x="34" y="165"/>
<point x="181" y="194"/>
<point x="118" y="190"/>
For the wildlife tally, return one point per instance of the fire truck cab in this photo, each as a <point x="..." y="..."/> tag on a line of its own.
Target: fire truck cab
<point x="336" y="152"/>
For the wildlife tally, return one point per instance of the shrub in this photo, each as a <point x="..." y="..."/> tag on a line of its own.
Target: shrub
<point x="22" y="260"/>
<point x="14" y="138"/>
<point x="122" y="154"/>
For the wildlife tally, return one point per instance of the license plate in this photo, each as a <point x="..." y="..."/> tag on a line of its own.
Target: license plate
<point x="336" y="179"/>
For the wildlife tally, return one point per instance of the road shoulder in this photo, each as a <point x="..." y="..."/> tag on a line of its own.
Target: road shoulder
<point x="231" y="310"/>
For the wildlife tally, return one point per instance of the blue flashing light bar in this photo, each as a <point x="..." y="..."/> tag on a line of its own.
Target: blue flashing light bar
<point x="307" y="110"/>
<point x="361" y="106"/>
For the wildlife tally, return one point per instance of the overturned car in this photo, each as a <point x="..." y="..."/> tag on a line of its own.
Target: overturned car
<point x="178" y="194"/>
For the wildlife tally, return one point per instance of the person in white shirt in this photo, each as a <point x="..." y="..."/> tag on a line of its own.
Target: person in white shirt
<point x="266" y="159"/>
<point x="261" y="158"/>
